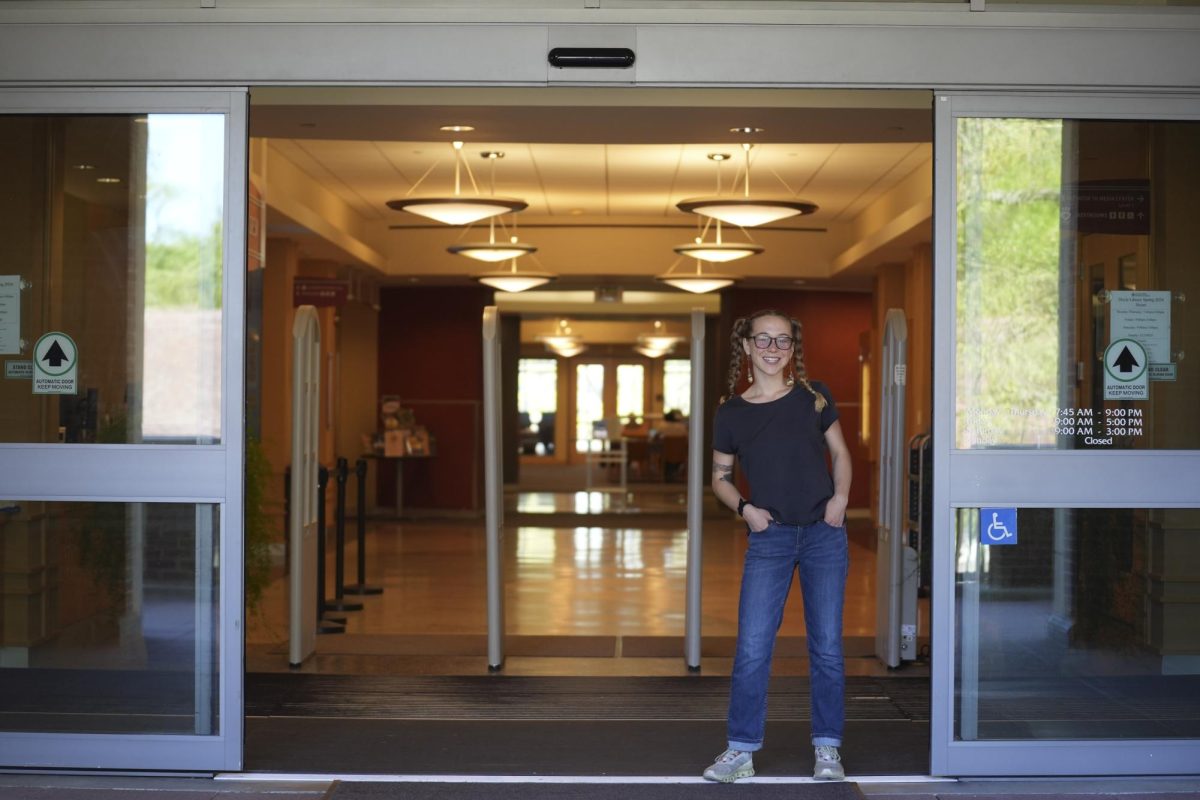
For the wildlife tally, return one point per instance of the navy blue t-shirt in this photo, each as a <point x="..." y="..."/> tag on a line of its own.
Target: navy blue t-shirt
<point x="781" y="447"/>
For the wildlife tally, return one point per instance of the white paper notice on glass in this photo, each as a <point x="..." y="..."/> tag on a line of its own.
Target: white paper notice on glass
<point x="1144" y="317"/>
<point x="10" y="314"/>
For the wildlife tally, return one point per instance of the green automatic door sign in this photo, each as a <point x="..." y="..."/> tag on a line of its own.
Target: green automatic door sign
<point x="55" y="364"/>
<point x="1126" y="376"/>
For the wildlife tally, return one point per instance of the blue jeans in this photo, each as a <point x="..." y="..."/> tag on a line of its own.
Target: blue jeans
<point x="823" y="556"/>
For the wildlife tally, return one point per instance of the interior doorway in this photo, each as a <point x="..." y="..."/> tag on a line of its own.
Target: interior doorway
<point x="594" y="562"/>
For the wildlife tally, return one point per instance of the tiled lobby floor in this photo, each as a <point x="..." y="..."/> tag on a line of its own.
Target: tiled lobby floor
<point x="581" y="580"/>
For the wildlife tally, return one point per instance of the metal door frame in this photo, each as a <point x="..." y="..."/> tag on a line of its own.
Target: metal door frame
<point x="1048" y="479"/>
<point x="158" y="473"/>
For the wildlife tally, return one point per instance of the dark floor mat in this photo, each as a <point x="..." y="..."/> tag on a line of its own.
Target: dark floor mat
<point x="586" y="791"/>
<point x="518" y="725"/>
<point x="460" y="645"/>
<point x="500" y="697"/>
<point x="593" y="748"/>
<point x="724" y="646"/>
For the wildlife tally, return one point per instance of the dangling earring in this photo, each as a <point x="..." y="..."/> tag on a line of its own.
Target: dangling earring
<point x="791" y="375"/>
<point x="749" y="369"/>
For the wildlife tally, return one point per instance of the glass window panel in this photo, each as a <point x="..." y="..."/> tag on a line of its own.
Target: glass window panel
<point x="677" y="386"/>
<point x="537" y="404"/>
<point x="1076" y="241"/>
<point x="110" y="232"/>
<point x="1077" y="623"/>
<point x="110" y="617"/>
<point x="631" y="391"/>
<point x="589" y="405"/>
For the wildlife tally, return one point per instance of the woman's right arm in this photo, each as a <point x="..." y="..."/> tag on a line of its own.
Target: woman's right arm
<point x="727" y="492"/>
<point x="722" y="480"/>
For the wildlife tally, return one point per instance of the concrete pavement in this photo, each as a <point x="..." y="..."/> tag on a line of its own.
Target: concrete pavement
<point x="231" y="787"/>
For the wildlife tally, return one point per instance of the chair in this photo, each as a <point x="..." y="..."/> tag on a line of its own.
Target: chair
<point x="638" y="455"/>
<point x="545" y="433"/>
<point x="612" y="450"/>
<point x="674" y="458"/>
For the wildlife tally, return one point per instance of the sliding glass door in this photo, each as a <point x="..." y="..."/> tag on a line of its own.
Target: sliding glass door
<point x="121" y="331"/>
<point x="1067" y="441"/>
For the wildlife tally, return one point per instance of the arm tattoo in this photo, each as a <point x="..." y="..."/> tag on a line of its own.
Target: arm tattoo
<point x="725" y="471"/>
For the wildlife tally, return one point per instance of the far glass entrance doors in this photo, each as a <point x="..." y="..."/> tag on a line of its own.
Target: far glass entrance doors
<point x="122" y="259"/>
<point x="1067" y="441"/>
<point x="607" y="395"/>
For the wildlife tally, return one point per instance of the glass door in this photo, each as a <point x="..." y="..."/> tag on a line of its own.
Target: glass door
<point x="608" y="394"/>
<point x="122" y="273"/>
<point x="589" y="407"/>
<point x="1068" y="445"/>
<point x="537" y="405"/>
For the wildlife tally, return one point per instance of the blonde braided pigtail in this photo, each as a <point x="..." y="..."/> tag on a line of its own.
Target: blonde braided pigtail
<point x="798" y="365"/>
<point x="736" y="354"/>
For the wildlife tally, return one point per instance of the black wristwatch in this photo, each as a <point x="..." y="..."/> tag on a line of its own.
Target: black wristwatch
<point x="742" y="505"/>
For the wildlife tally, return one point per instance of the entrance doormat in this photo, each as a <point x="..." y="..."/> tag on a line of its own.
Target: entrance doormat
<point x="519" y="697"/>
<point x="725" y="646"/>
<point x="587" y="791"/>
<point x="434" y="644"/>
<point x="597" y="748"/>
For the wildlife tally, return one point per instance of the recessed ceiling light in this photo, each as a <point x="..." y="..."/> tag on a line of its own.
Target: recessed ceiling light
<point x="457" y="128"/>
<point x="83" y="166"/>
<point x="492" y="154"/>
<point x="718" y="156"/>
<point x="746" y="129"/>
<point x="108" y="180"/>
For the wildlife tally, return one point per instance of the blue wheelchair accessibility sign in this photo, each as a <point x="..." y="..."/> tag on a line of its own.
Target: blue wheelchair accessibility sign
<point x="998" y="526"/>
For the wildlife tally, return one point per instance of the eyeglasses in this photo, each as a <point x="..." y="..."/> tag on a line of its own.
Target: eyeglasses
<point x="763" y="340"/>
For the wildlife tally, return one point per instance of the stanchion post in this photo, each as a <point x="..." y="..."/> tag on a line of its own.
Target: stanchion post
<point x="287" y="519"/>
<point x="324" y="624"/>
<point x="339" y="603"/>
<point x="361" y="588"/>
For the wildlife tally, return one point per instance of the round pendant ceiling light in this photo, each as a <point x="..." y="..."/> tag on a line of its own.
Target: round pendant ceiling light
<point x="656" y="345"/>
<point x="745" y="211"/>
<point x="512" y="280"/>
<point x="457" y="209"/>
<point x="719" y="251"/>
<point x="491" y="250"/>
<point x="563" y="344"/>
<point x="698" y="282"/>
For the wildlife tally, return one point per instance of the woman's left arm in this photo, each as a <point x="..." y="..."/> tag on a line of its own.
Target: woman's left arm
<point x="835" y="509"/>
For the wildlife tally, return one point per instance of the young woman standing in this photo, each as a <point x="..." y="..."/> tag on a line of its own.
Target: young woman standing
<point x="779" y="430"/>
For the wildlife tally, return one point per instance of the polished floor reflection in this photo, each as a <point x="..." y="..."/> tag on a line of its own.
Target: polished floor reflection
<point x="581" y="599"/>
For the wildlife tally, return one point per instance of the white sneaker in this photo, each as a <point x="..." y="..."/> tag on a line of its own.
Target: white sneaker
<point x="829" y="764"/>
<point x="730" y="766"/>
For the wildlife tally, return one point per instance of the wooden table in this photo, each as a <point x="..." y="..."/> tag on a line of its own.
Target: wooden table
<point x="399" y="508"/>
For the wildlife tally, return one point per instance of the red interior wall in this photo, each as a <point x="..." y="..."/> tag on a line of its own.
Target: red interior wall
<point x="830" y="324"/>
<point x="431" y="356"/>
